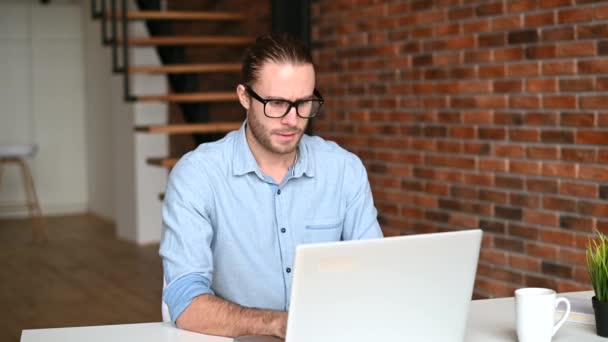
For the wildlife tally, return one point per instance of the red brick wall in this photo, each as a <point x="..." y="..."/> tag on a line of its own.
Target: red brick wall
<point x="477" y="114"/>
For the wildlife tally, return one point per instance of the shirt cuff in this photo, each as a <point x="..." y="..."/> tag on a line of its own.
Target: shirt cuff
<point x="180" y="293"/>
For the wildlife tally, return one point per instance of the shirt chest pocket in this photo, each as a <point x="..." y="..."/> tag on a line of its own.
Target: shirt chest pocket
<point x="321" y="230"/>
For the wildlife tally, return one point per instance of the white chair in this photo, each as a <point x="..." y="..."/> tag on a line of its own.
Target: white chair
<point x="17" y="154"/>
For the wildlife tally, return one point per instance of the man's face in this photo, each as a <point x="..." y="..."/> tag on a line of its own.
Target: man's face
<point x="279" y="81"/>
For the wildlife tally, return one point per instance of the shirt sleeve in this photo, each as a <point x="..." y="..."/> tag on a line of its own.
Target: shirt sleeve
<point x="187" y="232"/>
<point x="361" y="217"/>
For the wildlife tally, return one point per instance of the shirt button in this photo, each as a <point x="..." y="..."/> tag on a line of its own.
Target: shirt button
<point x="283" y="230"/>
<point x="288" y="270"/>
<point x="279" y="192"/>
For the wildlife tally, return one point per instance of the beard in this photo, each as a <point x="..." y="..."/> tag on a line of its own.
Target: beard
<point x="264" y="135"/>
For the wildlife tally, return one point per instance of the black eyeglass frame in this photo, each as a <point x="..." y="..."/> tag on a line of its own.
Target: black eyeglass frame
<point x="292" y="104"/>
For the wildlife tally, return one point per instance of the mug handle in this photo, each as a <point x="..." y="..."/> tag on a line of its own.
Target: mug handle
<point x="566" y="313"/>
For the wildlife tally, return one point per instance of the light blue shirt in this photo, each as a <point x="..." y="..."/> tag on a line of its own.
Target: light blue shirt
<point x="231" y="231"/>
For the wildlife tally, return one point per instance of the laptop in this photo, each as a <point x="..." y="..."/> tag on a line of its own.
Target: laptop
<point x="407" y="288"/>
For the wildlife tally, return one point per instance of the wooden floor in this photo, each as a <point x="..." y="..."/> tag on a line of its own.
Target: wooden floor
<point x="83" y="275"/>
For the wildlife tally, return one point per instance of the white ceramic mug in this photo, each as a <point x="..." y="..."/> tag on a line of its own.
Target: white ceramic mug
<point x="534" y="311"/>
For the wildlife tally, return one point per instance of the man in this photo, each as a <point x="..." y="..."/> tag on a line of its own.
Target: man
<point x="236" y="209"/>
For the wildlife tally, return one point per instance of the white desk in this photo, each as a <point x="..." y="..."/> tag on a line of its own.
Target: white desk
<point x="490" y="320"/>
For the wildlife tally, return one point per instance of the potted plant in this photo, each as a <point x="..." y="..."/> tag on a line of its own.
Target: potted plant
<point x="597" y="265"/>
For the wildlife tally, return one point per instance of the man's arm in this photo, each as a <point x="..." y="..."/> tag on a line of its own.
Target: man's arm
<point x="212" y="315"/>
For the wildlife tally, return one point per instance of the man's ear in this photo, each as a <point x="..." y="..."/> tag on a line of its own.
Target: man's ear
<point x="244" y="98"/>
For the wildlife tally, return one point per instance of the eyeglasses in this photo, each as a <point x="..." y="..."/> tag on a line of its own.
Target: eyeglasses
<point x="278" y="108"/>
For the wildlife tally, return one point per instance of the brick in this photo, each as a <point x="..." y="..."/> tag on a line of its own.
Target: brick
<point x="437" y="188"/>
<point x="603" y="192"/>
<point x="460" y="13"/>
<point x="541" y="217"/>
<point x="507" y="23"/>
<point x="523" y="134"/>
<point x="524" y="200"/>
<point x="492" y="40"/>
<point x="580" y="155"/>
<point x="575" y="15"/>
<point x="576" y="49"/>
<point x="462" y="72"/>
<point x="541" y="119"/>
<point x="561" y="67"/>
<point x="594" y="66"/>
<point x="602" y="120"/>
<point x="541" y="85"/>
<point x="557" y="136"/>
<point x="559" y="101"/>
<point x="509" y="183"/>
<point x="523" y="69"/>
<point x="568" y="286"/>
<point x="539" y="19"/>
<point x="489" y="9"/>
<point x="559" y="204"/>
<point x="524" y="231"/>
<point x="524" y="262"/>
<point x="559" y="170"/>
<point x="541" y="185"/>
<point x="541" y="52"/>
<point x="555" y="269"/>
<point x="594" y="102"/>
<point x="512" y="245"/>
<point x="462" y="132"/>
<point x="602" y="156"/>
<point x="522" y="36"/>
<point x="493" y="71"/>
<point x="548" y="153"/>
<point x="508" y="86"/>
<point x="477" y="56"/>
<point x="463" y="221"/>
<point x="447" y="29"/>
<point x="554" y="3"/>
<point x="494" y="196"/>
<point x="572" y="222"/>
<point x="595" y="31"/>
<point x="482" y="25"/>
<point x="508" y="118"/>
<point x="542" y="250"/>
<point x="525" y="167"/>
<point x="492" y="133"/>
<point x="577" y="120"/>
<point x="559" y="237"/>
<point x="598" y="209"/>
<point x="578" y="189"/>
<point x="593" y="173"/>
<point x="601" y="83"/>
<point x="602" y="47"/>
<point x="498" y="165"/>
<point x="580" y="84"/>
<point x="524" y="102"/>
<point x="591" y="137"/>
<point x="479" y="179"/>
<point x="479" y="149"/>
<point x="509" y="54"/>
<point x="557" y="34"/>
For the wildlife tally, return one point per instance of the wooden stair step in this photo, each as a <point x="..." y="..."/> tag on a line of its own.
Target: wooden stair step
<point x="211" y="127"/>
<point x="188" y="40"/>
<point x="185" y="68"/>
<point x="226" y="96"/>
<point x="162" y="162"/>
<point x="181" y="15"/>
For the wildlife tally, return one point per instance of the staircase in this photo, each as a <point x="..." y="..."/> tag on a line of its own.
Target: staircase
<point x="192" y="97"/>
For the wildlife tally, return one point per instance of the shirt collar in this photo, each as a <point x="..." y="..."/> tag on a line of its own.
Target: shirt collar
<point x="244" y="162"/>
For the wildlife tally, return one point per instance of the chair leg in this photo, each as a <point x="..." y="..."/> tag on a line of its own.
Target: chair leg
<point x="39" y="231"/>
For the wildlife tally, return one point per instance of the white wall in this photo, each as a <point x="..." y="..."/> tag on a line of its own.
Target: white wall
<point x="42" y="100"/>
<point x="121" y="185"/>
<point x="57" y="89"/>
